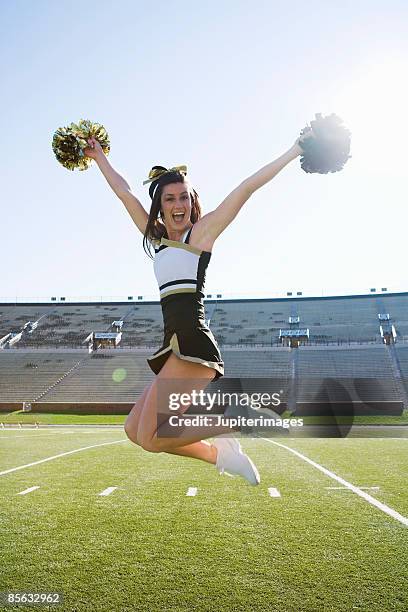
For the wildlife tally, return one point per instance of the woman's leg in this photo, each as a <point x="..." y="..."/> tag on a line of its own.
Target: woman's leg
<point x="198" y="450"/>
<point x="132" y="420"/>
<point x="176" y="376"/>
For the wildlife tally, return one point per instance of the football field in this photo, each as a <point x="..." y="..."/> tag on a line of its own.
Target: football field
<point x="86" y="513"/>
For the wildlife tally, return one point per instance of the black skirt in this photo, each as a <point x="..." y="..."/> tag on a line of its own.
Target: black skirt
<point x="186" y="334"/>
<point x="197" y="345"/>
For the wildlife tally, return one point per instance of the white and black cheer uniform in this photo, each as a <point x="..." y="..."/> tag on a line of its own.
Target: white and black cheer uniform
<point x="180" y="272"/>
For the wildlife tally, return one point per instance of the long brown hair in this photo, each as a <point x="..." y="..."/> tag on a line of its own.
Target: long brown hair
<point x="155" y="229"/>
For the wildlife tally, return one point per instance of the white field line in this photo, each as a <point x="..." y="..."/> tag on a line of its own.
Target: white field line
<point x="28" y="490"/>
<point x="35" y="435"/>
<point x="273" y="492"/>
<point x="346" y="488"/>
<point x="191" y="492"/>
<point x="371" y="500"/>
<point x="77" y="450"/>
<point x="56" y="433"/>
<point x="74" y="429"/>
<point x="108" y="491"/>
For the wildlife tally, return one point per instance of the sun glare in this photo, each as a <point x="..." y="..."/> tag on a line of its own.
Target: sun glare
<point x="374" y="105"/>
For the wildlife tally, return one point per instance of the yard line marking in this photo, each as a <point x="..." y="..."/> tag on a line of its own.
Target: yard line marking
<point x="108" y="491"/>
<point x="346" y="488"/>
<point x="192" y="491"/>
<point x="28" y="490"/>
<point x="77" y="450"/>
<point x="371" y="500"/>
<point x="34" y="436"/>
<point x="273" y="492"/>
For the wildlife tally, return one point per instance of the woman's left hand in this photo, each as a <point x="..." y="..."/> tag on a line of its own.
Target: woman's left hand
<point x="308" y="133"/>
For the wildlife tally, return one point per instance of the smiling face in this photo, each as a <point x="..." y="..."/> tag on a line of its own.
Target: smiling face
<point x="176" y="208"/>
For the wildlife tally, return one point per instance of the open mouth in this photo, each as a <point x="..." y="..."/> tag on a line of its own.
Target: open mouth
<point x="178" y="217"/>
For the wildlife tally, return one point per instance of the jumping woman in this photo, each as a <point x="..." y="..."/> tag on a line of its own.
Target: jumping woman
<point x="182" y="239"/>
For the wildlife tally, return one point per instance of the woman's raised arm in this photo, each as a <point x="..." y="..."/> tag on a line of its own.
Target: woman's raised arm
<point x="118" y="184"/>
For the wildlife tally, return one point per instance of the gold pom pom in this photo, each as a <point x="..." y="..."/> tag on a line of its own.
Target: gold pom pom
<point x="68" y="143"/>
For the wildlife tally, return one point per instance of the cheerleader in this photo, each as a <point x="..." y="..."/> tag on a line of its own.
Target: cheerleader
<point x="180" y="239"/>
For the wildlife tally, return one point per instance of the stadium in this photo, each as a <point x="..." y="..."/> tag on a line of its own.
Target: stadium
<point x="203" y="201"/>
<point x="70" y="372"/>
<point x="91" y="357"/>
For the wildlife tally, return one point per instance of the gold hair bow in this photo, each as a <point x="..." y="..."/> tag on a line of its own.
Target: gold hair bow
<point x="155" y="173"/>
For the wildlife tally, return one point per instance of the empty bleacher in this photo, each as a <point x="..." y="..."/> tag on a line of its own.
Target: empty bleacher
<point x="52" y="364"/>
<point x="68" y="326"/>
<point x="366" y="372"/>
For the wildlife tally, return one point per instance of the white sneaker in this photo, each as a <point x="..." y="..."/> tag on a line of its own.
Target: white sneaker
<point x="231" y="460"/>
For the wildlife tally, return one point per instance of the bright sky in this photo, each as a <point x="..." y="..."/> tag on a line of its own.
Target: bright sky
<point x="223" y="86"/>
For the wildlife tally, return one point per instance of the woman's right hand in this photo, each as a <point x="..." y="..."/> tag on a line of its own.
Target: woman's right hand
<point x="94" y="150"/>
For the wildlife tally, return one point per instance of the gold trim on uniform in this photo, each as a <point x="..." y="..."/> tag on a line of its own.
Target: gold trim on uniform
<point x="180" y="245"/>
<point x="183" y="290"/>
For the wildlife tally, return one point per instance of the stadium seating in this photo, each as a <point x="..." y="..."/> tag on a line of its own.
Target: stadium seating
<point x="53" y="364"/>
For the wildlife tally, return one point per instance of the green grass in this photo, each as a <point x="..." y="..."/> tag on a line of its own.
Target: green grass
<point x="149" y="547"/>
<point x="361" y="420"/>
<point x="45" y="418"/>
<point x="31" y="418"/>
